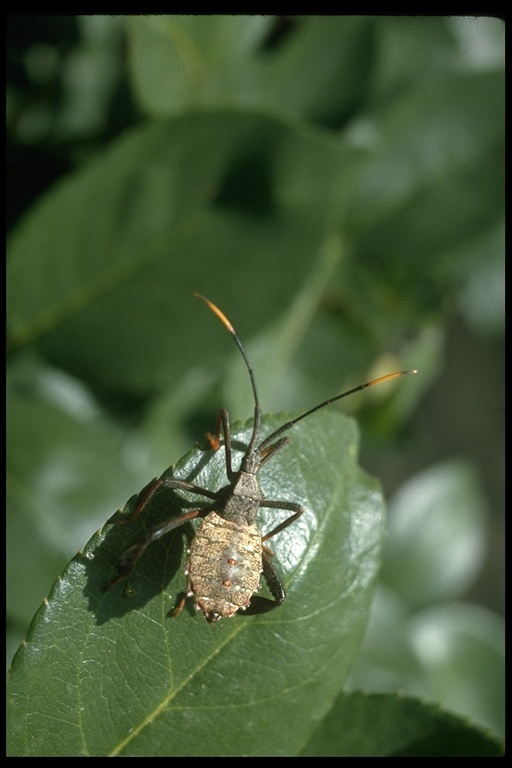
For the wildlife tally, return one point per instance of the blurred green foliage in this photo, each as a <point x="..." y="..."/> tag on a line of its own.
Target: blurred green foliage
<point x="335" y="185"/>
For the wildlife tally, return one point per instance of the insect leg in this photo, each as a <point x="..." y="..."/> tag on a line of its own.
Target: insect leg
<point x="147" y="493"/>
<point x="214" y="440"/>
<point x="264" y="604"/>
<point x="133" y="553"/>
<point x="267" y="453"/>
<point x="287" y="505"/>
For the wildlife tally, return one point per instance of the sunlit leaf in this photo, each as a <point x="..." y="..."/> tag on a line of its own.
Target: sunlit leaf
<point x="114" y="674"/>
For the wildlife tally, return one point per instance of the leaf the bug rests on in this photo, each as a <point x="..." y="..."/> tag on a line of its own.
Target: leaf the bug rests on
<point x="269" y="669"/>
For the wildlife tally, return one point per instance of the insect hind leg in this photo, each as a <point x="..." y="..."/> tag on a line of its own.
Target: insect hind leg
<point x="264" y="604"/>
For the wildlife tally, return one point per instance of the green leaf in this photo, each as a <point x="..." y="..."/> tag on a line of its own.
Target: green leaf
<point x="105" y="674"/>
<point x="437" y="149"/>
<point x="461" y="649"/>
<point x="435" y="132"/>
<point x="216" y="203"/>
<point x="437" y="536"/>
<point x="57" y="488"/>
<point x="362" y="724"/>
<point x="203" y="58"/>
<point x="427" y="44"/>
<point x="213" y="61"/>
<point x="452" y="653"/>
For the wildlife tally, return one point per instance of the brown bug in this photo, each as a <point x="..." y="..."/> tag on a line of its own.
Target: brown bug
<point x="227" y="554"/>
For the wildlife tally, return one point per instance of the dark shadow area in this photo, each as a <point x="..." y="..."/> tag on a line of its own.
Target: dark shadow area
<point x="247" y="185"/>
<point x="155" y="569"/>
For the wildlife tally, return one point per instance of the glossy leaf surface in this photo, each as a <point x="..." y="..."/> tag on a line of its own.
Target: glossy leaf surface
<point x="113" y="674"/>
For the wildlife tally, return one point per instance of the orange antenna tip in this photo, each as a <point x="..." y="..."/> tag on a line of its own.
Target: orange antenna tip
<point x="222" y="317"/>
<point x="388" y="377"/>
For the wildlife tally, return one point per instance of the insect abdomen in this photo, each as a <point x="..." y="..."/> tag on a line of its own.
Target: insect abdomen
<point x="224" y="566"/>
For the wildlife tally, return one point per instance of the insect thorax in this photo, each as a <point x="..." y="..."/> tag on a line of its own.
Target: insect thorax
<point x="241" y="501"/>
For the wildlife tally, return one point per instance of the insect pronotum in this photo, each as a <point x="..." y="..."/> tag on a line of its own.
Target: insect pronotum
<point x="228" y="554"/>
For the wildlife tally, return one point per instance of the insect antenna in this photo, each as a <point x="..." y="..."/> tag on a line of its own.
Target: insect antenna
<point x="372" y="383"/>
<point x="257" y="408"/>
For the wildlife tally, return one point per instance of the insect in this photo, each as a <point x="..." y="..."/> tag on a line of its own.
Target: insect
<point x="228" y="553"/>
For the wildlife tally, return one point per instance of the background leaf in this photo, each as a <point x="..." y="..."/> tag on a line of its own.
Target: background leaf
<point x="136" y="222"/>
<point x="438" y="648"/>
<point x="437" y="535"/>
<point x="214" y="60"/>
<point x="406" y="727"/>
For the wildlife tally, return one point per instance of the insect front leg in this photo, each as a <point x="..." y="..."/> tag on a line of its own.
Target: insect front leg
<point x="214" y="440"/>
<point x="147" y="493"/>
<point x="133" y="553"/>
